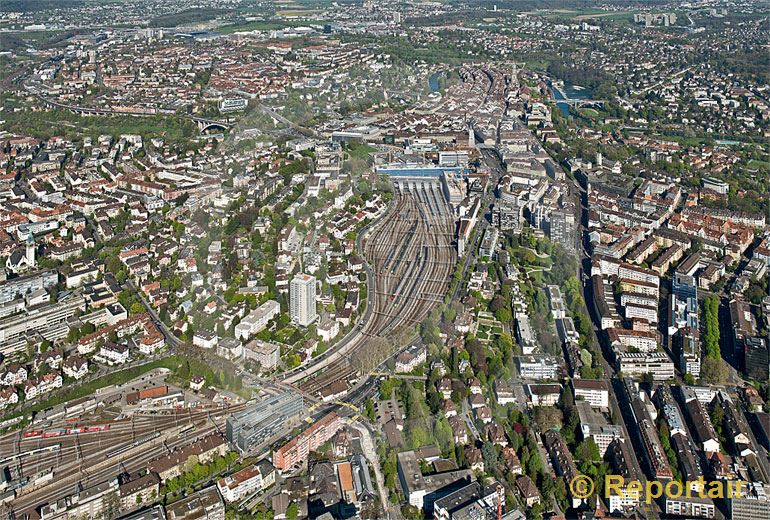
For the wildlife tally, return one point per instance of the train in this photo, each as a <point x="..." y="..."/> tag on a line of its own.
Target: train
<point x="65" y="431"/>
<point x="138" y="442"/>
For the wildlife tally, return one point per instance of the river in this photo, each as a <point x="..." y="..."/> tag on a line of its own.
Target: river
<point x="571" y="92"/>
<point x="433" y="81"/>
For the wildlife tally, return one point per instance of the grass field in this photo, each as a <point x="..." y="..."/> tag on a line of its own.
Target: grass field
<point x="47" y="123"/>
<point x="589" y="112"/>
<point x="360" y="150"/>
<point x="759" y="164"/>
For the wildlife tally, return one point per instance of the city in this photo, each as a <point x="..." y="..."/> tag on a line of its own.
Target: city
<point x="286" y="259"/>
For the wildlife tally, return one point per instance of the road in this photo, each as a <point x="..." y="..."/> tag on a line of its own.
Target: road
<point x="491" y="160"/>
<point x="171" y="339"/>
<point x="370" y="452"/>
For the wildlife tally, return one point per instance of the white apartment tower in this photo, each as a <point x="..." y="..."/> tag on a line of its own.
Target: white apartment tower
<point x="302" y="299"/>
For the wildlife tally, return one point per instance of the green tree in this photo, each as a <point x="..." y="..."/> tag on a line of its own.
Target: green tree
<point x="491" y="457"/>
<point x="292" y="512"/>
<point x="442" y="432"/>
<point x="419" y="437"/>
<point x="713" y="370"/>
<point x="588" y="451"/>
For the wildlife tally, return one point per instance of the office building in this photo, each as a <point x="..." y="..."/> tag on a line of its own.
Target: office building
<point x="508" y="213"/>
<point x="489" y="242"/>
<point x="20" y="287"/>
<point x="756" y="356"/>
<point x="594" y="425"/>
<point x="302" y="295"/>
<point x="595" y="392"/>
<point x="538" y="367"/>
<point x="715" y="185"/>
<point x="250" y="428"/>
<point x="470" y="502"/>
<point x="48" y="321"/>
<point x="692" y="507"/>
<point x="453" y="158"/>
<point x="562" y="228"/>
<point x="422" y="491"/>
<point x="636" y="364"/>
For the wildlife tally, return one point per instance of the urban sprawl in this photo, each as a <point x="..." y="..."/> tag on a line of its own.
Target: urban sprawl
<point x="369" y="259"/>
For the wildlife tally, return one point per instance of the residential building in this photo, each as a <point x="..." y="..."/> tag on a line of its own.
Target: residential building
<point x="267" y="354"/>
<point x="139" y="490"/>
<point x="240" y="484"/>
<point x="206" y="504"/>
<point x="297" y="449"/>
<point x="302" y="296"/>
<point x="205" y="338"/>
<point x="257" y="319"/>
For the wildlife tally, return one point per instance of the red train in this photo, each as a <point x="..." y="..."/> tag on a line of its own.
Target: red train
<point x="68" y="431"/>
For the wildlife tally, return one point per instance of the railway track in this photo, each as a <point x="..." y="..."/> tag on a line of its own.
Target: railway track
<point x="411" y="255"/>
<point x="83" y="459"/>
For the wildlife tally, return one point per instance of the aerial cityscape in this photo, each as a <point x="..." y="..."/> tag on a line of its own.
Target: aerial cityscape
<point x="384" y="259"/>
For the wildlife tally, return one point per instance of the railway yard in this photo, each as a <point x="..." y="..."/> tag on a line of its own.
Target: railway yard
<point x="58" y="461"/>
<point x="411" y="258"/>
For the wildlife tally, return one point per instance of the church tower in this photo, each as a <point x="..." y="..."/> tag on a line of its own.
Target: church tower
<point x="30" y="250"/>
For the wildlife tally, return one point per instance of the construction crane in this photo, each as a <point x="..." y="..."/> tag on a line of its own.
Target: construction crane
<point x="499" y="502"/>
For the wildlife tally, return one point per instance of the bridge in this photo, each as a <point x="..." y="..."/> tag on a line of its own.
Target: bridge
<point x="203" y="123"/>
<point x="582" y="103"/>
<point x="211" y="124"/>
